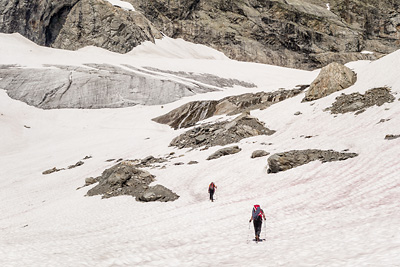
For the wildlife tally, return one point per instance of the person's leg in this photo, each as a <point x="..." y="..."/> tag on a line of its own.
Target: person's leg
<point x="257" y="224"/>
<point x="212" y="195"/>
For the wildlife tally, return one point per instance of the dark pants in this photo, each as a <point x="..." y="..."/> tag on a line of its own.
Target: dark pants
<point x="257" y="226"/>
<point x="211" y="191"/>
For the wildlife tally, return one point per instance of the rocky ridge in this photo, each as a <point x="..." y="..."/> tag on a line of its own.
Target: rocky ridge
<point x="221" y="133"/>
<point x="189" y="114"/>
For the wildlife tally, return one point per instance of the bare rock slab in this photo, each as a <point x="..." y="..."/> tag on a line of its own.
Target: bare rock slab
<point x="295" y="158"/>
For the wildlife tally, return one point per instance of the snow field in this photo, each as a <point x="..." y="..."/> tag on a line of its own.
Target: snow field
<point x="343" y="213"/>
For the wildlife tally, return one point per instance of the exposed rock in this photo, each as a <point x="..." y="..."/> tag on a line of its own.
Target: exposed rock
<point x="79" y="163"/>
<point x="192" y="162"/>
<point x="157" y="193"/>
<point x="392" y="136"/>
<point x="297" y="113"/>
<point x="125" y="179"/>
<point x="292" y="33"/>
<point x="259" y="153"/>
<point x="332" y="78"/>
<point x="148" y="161"/>
<point x="358" y="102"/>
<point x="72" y="24"/>
<point x="224" y="152"/>
<point x="52" y="170"/>
<point x="189" y="114"/>
<point x="95" y="86"/>
<point x="90" y="180"/>
<point x="222" y="133"/>
<point x="98" y="23"/>
<point x="294" y="158"/>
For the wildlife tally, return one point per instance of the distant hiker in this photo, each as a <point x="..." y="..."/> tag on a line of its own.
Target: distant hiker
<point x="211" y="190"/>
<point x="256" y="216"/>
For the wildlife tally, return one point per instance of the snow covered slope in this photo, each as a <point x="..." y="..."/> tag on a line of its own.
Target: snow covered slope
<point x="343" y="213"/>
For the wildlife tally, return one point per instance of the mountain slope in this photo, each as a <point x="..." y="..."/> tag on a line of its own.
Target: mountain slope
<point x="336" y="213"/>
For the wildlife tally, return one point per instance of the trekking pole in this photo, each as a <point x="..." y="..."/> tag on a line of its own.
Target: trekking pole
<point x="265" y="229"/>
<point x="248" y="234"/>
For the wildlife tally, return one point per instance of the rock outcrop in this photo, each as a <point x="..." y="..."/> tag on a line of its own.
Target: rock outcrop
<point x="125" y="179"/>
<point x="221" y="133"/>
<point x="293" y="33"/>
<point x="358" y="103"/>
<point x="100" y="86"/>
<point x="72" y="24"/>
<point x="294" y="158"/>
<point x="332" y="78"/>
<point x="189" y="114"/>
<point x="224" y="152"/>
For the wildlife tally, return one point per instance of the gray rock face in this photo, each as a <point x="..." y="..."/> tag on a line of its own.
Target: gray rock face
<point x="72" y="24"/>
<point x="98" y="23"/>
<point x="332" y="78"/>
<point x="157" y="193"/>
<point x="94" y="86"/>
<point x="125" y="179"/>
<point x="294" y="158"/>
<point x="39" y="21"/>
<point x="259" y="153"/>
<point x="189" y="114"/>
<point x="292" y="33"/>
<point x="358" y="102"/>
<point x="224" y="152"/>
<point x="222" y="133"/>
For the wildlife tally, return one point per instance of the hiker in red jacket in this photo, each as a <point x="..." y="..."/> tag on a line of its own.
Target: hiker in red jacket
<point x="211" y="190"/>
<point x="256" y="216"/>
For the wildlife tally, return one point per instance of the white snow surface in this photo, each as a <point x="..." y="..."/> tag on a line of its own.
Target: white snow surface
<point x="122" y="4"/>
<point x="343" y="213"/>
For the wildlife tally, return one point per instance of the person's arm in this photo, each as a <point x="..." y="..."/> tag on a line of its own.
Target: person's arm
<point x="251" y="218"/>
<point x="263" y="215"/>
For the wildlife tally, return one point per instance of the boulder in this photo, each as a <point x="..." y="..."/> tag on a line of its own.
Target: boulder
<point x="392" y="136"/>
<point x="224" y="152"/>
<point x="294" y="158"/>
<point x="332" y="78"/>
<point x="157" y="193"/>
<point x="259" y="153"/>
